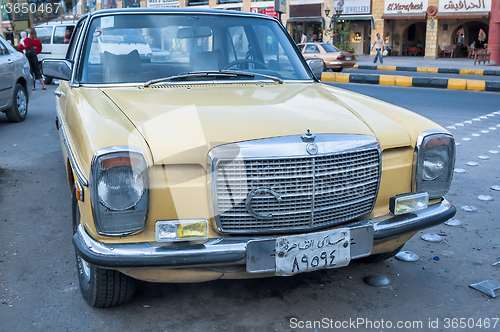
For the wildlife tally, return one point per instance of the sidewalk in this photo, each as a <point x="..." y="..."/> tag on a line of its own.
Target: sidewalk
<point x="387" y="73"/>
<point x="418" y="61"/>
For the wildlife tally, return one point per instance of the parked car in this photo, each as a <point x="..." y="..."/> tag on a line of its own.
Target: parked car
<point x="232" y="160"/>
<point x="15" y="82"/>
<point x="55" y="41"/>
<point x="334" y="59"/>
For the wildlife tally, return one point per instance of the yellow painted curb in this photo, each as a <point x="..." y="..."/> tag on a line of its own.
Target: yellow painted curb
<point x="355" y="66"/>
<point x="343" y="78"/>
<point x="403" y="80"/>
<point x="457" y="84"/>
<point x="390" y="68"/>
<point x="329" y="77"/>
<point x="427" y="70"/>
<point x="471" y="71"/>
<point x="476" y="85"/>
<point x="387" y="80"/>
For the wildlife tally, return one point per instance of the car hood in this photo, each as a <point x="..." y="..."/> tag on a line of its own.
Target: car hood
<point x="181" y="123"/>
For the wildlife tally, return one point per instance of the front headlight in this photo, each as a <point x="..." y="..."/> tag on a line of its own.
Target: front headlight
<point x="119" y="190"/>
<point x="434" y="163"/>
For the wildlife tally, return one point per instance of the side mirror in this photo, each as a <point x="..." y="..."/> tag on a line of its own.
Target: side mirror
<point x="317" y="66"/>
<point x="60" y="69"/>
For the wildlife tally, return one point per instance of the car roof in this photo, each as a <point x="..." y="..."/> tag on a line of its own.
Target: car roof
<point x="207" y="11"/>
<point x="57" y="22"/>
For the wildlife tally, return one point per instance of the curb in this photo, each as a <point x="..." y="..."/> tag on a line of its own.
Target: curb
<point x="484" y="72"/>
<point x="421" y="82"/>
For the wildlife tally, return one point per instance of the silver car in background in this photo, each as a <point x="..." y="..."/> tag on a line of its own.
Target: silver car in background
<point x="15" y="82"/>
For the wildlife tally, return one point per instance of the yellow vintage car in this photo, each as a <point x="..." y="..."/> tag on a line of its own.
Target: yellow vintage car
<point x="229" y="159"/>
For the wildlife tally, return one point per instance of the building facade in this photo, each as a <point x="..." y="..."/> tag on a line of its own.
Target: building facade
<point x="409" y="27"/>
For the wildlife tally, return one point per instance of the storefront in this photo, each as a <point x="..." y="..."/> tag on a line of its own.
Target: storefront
<point x="306" y="19"/>
<point x="264" y="7"/>
<point x="162" y="3"/>
<point x="405" y="24"/>
<point x="357" y="14"/>
<point x="462" y="24"/>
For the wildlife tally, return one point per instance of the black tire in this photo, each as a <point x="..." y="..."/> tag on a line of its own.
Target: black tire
<point x="47" y="79"/>
<point x="337" y="70"/>
<point x="380" y="257"/>
<point x="19" y="109"/>
<point x="101" y="288"/>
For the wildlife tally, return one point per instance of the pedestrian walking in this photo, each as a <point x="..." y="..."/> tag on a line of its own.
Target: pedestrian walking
<point x="31" y="47"/>
<point x="379" y="45"/>
<point x="303" y="39"/>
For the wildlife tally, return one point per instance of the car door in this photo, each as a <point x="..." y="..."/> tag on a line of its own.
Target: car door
<point x="44" y="33"/>
<point x="59" y="47"/>
<point x="7" y="74"/>
<point x="310" y="51"/>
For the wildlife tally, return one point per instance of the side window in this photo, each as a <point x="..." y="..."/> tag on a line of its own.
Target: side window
<point x="72" y="45"/>
<point x="237" y="43"/>
<point x="62" y="34"/>
<point x="3" y="49"/>
<point x="311" y="49"/>
<point x="44" y="34"/>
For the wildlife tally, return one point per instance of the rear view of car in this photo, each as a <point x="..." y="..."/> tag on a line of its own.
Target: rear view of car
<point x="334" y="59"/>
<point x="15" y="79"/>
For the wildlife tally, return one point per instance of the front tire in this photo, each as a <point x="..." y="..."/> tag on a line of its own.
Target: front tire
<point x="47" y="79"/>
<point x="19" y="109"/>
<point x="101" y="288"/>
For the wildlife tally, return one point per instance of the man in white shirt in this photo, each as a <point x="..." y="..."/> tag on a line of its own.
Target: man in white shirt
<point x="379" y="45"/>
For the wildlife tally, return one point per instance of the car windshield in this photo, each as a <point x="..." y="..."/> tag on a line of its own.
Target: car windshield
<point x="329" y="48"/>
<point x="140" y="48"/>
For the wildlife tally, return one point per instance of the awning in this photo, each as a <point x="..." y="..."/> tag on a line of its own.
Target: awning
<point x="407" y="16"/>
<point x="366" y="17"/>
<point x="463" y="15"/>
<point x="306" y="19"/>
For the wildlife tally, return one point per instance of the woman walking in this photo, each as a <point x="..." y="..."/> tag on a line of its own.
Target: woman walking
<point x="379" y="45"/>
<point x="31" y="47"/>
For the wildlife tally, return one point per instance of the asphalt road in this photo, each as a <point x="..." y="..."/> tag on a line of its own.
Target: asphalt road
<point x="38" y="279"/>
<point x="419" y="74"/>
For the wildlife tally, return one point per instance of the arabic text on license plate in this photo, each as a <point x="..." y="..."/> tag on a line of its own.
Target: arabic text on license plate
<point x="348" y="58"/>
<point x="315" y="251"/>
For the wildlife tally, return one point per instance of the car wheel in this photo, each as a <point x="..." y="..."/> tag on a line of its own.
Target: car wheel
<point x="101" y="288"/>
<point x="19" y="109"/>
<point x="47" y="79"/>
<point x="338" y="70"/>
<point x="380" y="257"/>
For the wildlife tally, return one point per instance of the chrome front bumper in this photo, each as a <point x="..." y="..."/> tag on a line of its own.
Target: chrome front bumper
<point x="233" y="250"/>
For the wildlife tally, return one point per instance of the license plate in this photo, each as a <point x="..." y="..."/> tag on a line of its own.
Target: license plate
<point x="348" y="58"/>
<point x="310" y="252"/>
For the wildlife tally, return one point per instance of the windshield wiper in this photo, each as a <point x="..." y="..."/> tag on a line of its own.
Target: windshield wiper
<point x="223" y="73"/>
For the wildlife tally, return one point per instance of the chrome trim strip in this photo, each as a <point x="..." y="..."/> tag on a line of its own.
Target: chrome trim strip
<point x="79" y="173"/>
<point x="283" y="147"/>
<point x="232" y="250"/>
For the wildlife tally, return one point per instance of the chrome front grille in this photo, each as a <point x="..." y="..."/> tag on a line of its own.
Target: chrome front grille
<point x="315" y="191"/>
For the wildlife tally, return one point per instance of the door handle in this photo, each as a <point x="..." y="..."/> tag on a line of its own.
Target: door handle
<point x="10" y="62"/>
<point x="58" y="93"/>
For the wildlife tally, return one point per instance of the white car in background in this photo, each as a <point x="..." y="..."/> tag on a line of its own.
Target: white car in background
<point x="53" y="44"/>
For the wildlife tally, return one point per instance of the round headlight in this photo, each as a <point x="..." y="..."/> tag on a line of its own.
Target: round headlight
<point x="120" y="187"/>
<point x="434" y="163"/>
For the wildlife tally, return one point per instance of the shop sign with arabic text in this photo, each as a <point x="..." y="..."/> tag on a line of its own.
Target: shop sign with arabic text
<point x="405" y="6"/>
<point x="468" y="6"/>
